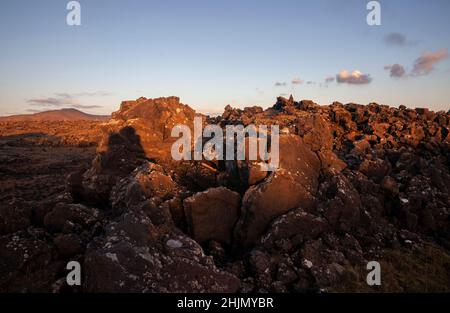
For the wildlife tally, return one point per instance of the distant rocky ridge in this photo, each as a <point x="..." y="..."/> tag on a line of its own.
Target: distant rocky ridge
<point x="55" y="115"/>
<point x="356" y="183"/>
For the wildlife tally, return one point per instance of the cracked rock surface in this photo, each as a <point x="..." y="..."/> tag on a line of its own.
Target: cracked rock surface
<point x="356" y="183"/>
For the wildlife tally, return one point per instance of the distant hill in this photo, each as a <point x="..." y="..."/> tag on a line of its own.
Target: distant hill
<point x="55" y="115"/>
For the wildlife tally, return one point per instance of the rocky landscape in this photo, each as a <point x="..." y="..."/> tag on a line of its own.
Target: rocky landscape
<point x="356" y="183"/>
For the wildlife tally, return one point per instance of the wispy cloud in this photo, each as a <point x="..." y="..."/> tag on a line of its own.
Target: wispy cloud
<point x="330" y="79"/>
<point x="398" y="39"/>
<point x="353" y="78"/>
<point x="33" y="110"/>
<point x="280" y="84"/>
<point x="56" y="102"/>
<point x="396" y="70"/>
<point x="98" y="93"/>
<point x="297" y="81"/>
<point x="63" y="100"/>
<point x="424" y="65"/>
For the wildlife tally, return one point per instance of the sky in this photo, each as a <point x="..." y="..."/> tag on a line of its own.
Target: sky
<point x="211" y="53"/>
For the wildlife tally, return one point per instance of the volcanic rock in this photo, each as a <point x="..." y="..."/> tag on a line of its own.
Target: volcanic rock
<point x="212" y="214"/>
<point x="139" y="131"/>
<point x="14" y="217"/>
<point x="135" y="256"/>
<point x="355" y="183"/>
<point x="26" y="264"/>
<point x="292" y="185"/>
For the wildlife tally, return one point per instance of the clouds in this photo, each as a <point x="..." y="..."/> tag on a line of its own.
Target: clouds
<point x="60" y="102"/>
<point x="353" y="78"/>
<point x="98" y="93"/>
<point x="398" y="39"/>
<point x="33" y="111"/>
<point x="68" y="100"/>
<point x="424" y="65"/>
<point x="344" y="76"/>
<point x="294" y="81"/>
<point x="396" y="70"/>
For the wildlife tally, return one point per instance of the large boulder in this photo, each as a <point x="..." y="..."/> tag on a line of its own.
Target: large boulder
<point x="135" y="256"/>
<point x="317" y="133"/>
<point x="152" y="120"/>
<point x="69" y="218"/>
<point x="139" y="131"/>
<point x="296" y="226"/>
<point x="147" y="182"/>
<point x="212" y="214"/>
<point x="293" y="185"/>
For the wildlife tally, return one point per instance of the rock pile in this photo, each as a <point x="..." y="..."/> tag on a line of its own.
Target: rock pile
<point x="355" y="183"/>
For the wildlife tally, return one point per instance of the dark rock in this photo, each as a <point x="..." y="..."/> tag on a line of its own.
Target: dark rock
<point x="14" y="217"/>
<point x="292" y="185"/>
<point x="171" y="261"/>
<point x="26" y="264"/>
<point x="297" y="226"/>
<point x="212" y="214"/>
<point x="67" y="218"/>
<point x="68" y="244"/>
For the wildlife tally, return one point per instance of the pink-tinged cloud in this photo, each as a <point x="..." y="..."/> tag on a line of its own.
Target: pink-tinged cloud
<point x="424" y="65"/>
<point x="396" y="70"/>
<point x="297" y="81"/>
<point x="353" y="78"/>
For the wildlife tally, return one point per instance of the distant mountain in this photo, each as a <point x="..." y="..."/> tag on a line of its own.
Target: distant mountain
<point x="55" y="115"/>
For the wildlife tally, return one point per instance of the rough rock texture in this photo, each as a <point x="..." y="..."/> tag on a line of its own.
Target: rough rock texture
<point x="135" y="256"/>
<point x="152" y="121"/>
<point x="140" y="130"/>
<point x="293" y="185"/>
<point x="212" y="214"/>
<point x="356" y="183"/>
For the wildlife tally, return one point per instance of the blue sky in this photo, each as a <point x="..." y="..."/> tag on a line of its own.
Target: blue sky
<point x="213" y="53"/>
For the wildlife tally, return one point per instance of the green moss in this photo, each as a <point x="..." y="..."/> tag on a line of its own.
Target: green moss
<point x="425" y="270"/>
<point x="403" y="270"/>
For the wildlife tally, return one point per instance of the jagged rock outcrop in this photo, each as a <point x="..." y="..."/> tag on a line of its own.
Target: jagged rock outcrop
<point x="140" y="130"/>
<point x="152" y="121"/>
<point x="294" y="184"/>
<point x="355" y="183"/>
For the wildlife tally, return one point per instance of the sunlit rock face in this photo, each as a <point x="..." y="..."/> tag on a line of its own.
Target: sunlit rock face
<point x="355" y="183"/>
